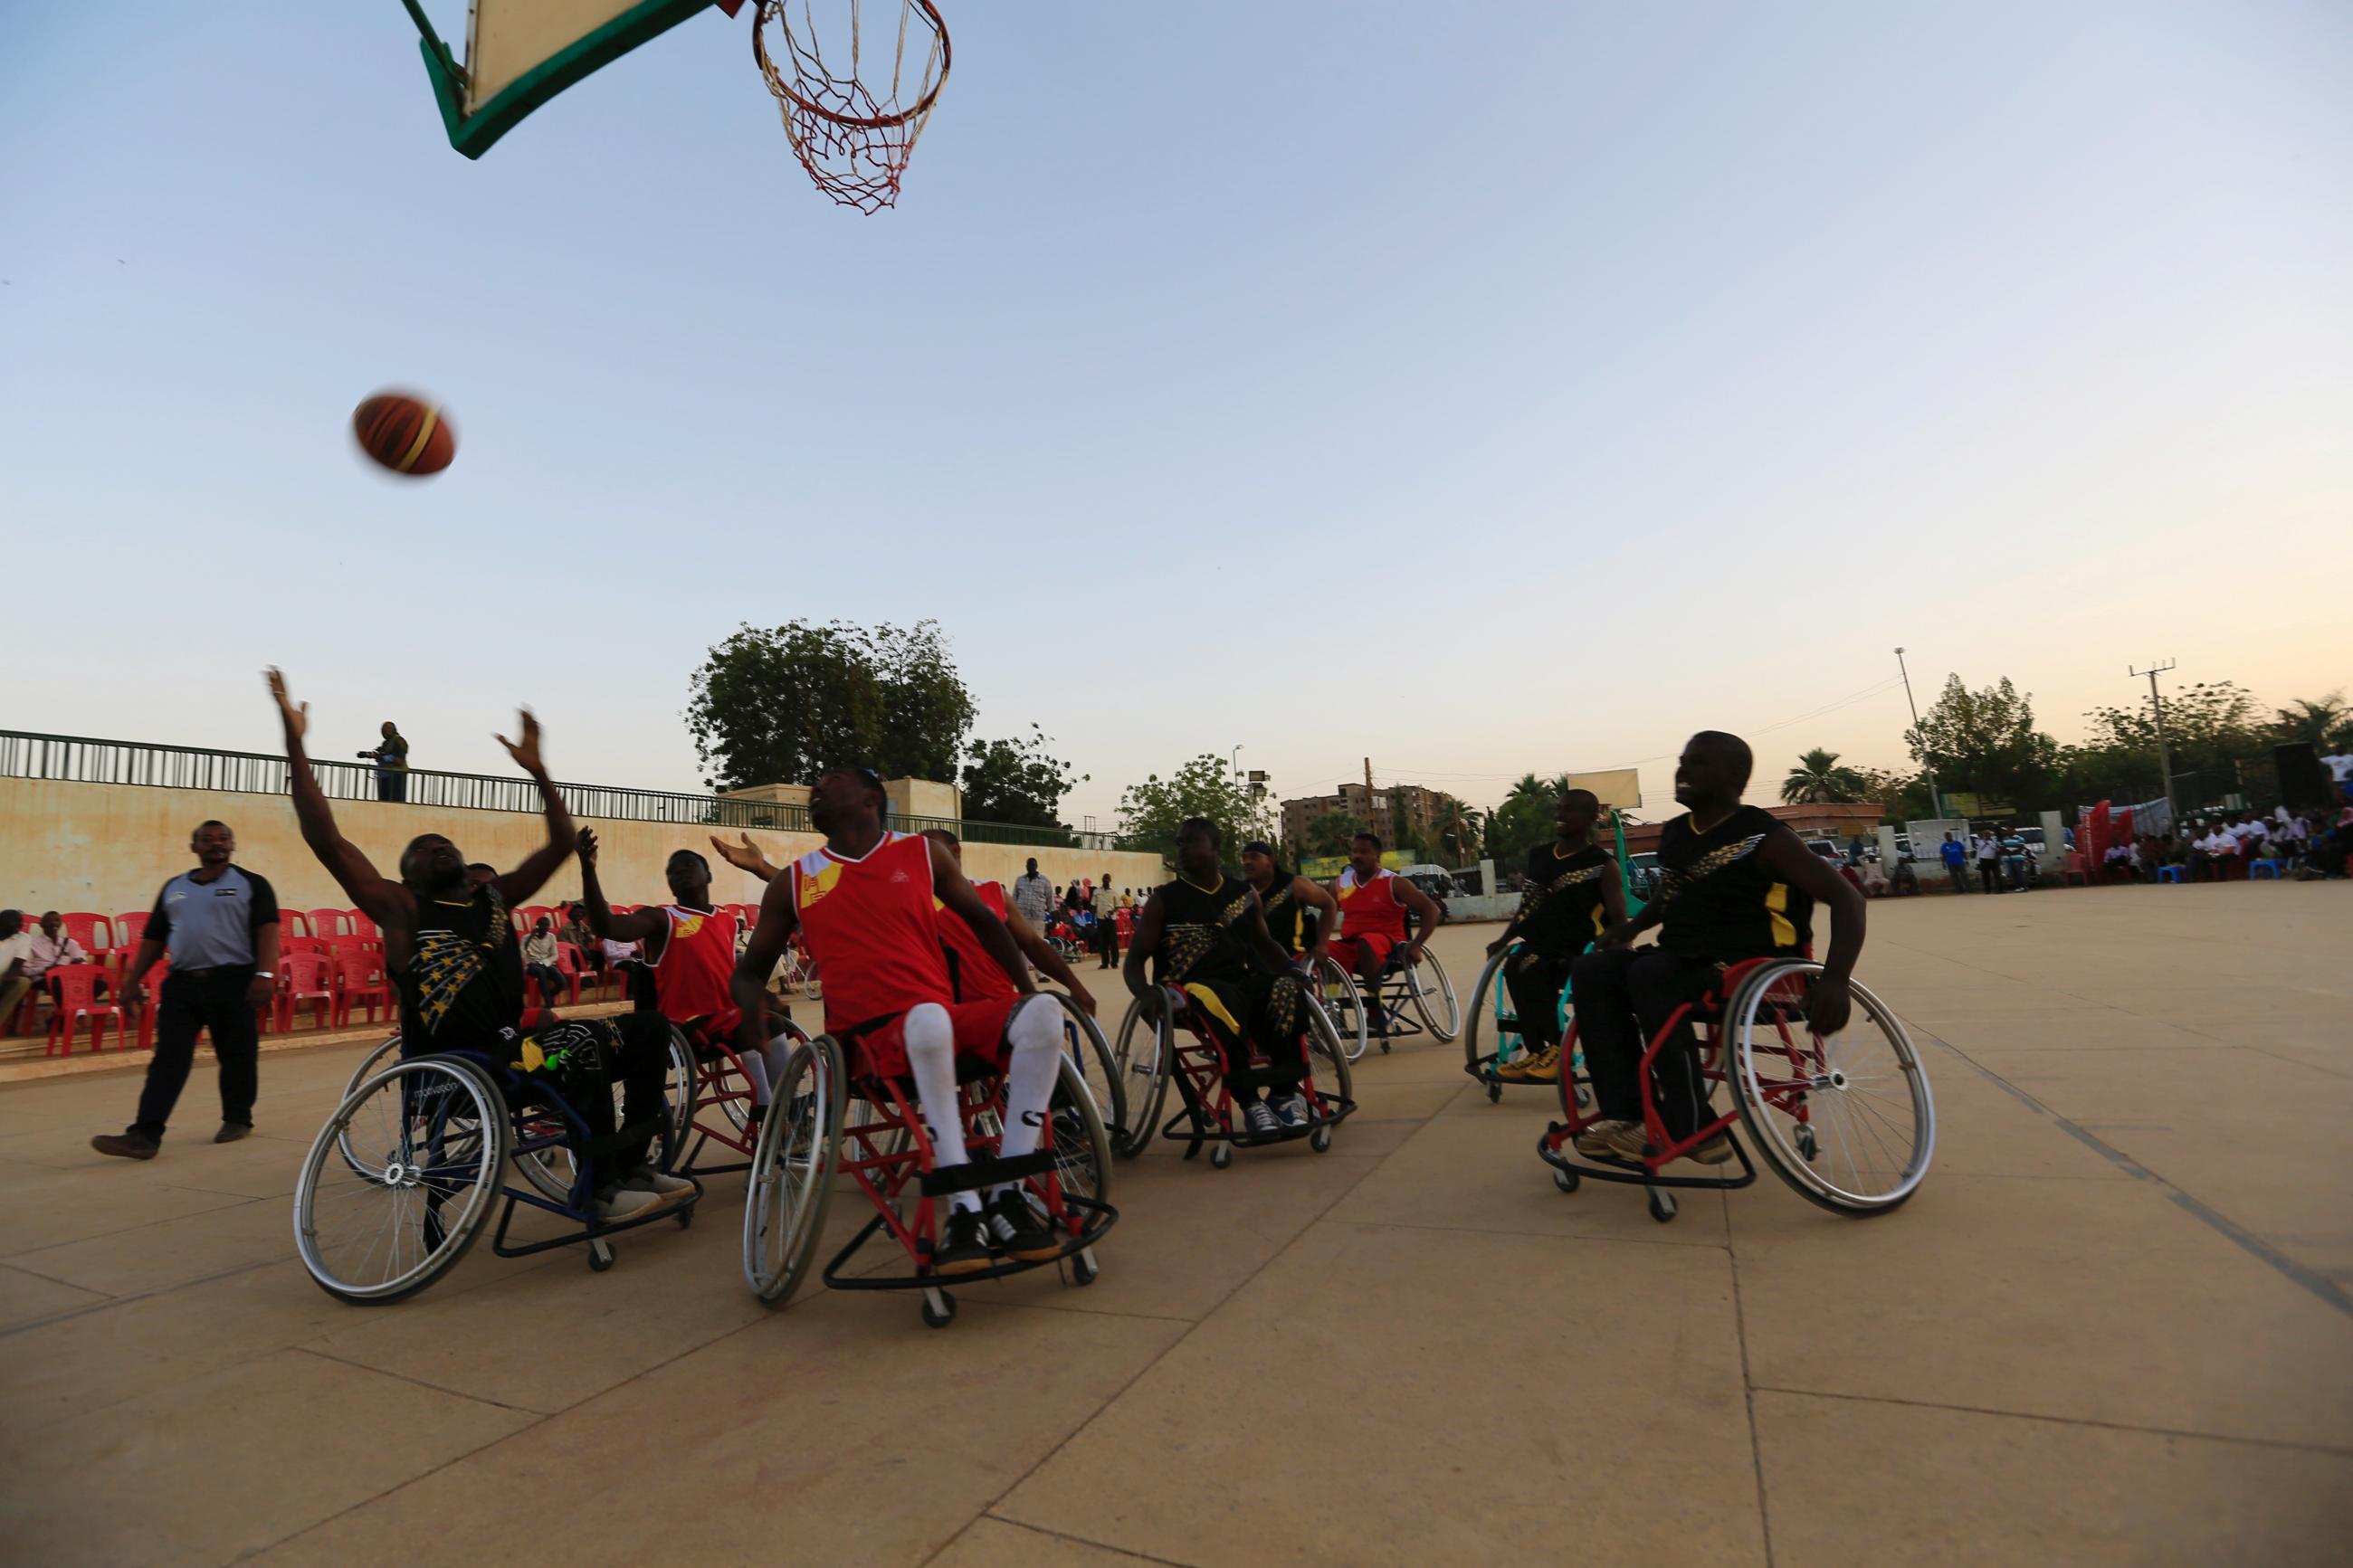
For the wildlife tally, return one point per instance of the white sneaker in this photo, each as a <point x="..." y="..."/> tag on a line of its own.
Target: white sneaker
<point x="625" y="1203"/>
<point x="653" y="1184"/>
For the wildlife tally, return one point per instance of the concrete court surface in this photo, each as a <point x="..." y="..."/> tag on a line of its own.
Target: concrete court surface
<point x="2113" y="1327"/>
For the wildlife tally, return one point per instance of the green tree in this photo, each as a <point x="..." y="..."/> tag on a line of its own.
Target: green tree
<point x="1820" y="780"/>
<point x="1985" y="742"/>
<point x="1149" y="812"/>
<point x="1017" y="781"/>
<point x="782" y="704"/>
<point x="2323" y="723"/>
<point x="1329" y="834"/>
<point x="1524" y="820"/>
<point x="2211" y="728"/>
<point x="1454" y="830"/>
<point x="1902" y="797"/>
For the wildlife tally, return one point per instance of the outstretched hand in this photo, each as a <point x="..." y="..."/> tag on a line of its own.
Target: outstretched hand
<point x="525" y="752"/>
<point x="587" y="847"/>
<point x="297" y="718"/>
<point x="743" y="857"/>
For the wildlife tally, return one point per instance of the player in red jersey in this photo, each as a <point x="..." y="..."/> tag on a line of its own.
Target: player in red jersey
<point x="865" y="907"/>
<point x="969" y="968"/>
<point x="1374" y="904"/>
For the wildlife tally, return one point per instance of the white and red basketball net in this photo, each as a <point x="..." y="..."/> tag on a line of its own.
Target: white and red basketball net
<point x="853" y="121"/>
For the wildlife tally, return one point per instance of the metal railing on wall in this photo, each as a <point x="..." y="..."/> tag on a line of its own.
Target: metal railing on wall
<point x="77" y="759"/>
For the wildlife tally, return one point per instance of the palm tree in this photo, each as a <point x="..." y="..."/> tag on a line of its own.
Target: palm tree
<point x="1817" y="780"/>
<point x="1457" y="828"/>
<point x="2324" y="723"/>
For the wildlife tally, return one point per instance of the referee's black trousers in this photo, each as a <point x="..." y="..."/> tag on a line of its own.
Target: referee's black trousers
<point x="190" y="1003"/>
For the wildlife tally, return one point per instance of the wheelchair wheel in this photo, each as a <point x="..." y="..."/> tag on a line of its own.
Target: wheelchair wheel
<point x="399" y="1182"/>
<point x="1142" y="1058"/>
<point x="553" y="1170"/>
<point x="1326" y="1041"/>
<point x="1870" y="1124"/>
<point x="374" y="1062"/>
<point x="1433" y="997"/>
<point x="1335" y="989"/>
<point x="1082" y="1144"/>
<point x="1507" y="1039"/>
<point x="1084" y="1048"/>
<point x="792" y="1172"/>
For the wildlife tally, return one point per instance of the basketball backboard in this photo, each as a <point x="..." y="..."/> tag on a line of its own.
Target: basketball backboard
<point x="1620" y="787"/>
<point x="521" y="53"/>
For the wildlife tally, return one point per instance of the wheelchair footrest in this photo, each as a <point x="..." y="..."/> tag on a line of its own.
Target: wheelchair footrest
<point x="1189" y="1127"/>
<point x="1095" y="1220"/>
<point x="1600" y="1168"/>
<point x="974" y="1175"/>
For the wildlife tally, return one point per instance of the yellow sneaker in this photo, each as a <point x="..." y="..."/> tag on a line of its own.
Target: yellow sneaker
<point x="1532" y="1066"/>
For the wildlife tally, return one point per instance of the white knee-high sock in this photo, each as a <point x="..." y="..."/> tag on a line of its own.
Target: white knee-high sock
<point x="765" y="1067"/>
<point x="1035" y="1033"/>
<point x="931" y="1060"/>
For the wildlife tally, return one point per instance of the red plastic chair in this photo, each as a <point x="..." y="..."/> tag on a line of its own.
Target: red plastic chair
<point x="306" y="977"/>
<point x="359" y="981"/>
<point x="568" y="963"/>
<point x="77" y="995"/>
<point x="292" y="922"/>
<point x="153" y="985"/>
<point x="90" y="930"/>
<point x="326" y="922"/>
<point x="288" y="945"/>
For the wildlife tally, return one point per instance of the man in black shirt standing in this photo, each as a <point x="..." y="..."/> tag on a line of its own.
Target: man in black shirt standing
<point x="1738" y="885"/>
<point x="220" y="923"/>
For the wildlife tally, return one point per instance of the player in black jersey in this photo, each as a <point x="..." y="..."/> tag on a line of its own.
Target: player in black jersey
<point x="1738" y="885"/>
<point x="1205" y="934"/>
<point x="1287" y="897"/>
<point x="1574" y="894"/>
<point x="451" y="951"/>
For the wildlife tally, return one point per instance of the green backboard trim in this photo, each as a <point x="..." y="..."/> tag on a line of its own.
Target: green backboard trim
<point x="475" y="134"/>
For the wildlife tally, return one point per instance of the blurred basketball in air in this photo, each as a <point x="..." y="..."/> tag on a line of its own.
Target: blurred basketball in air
<point x="405" y="434"/>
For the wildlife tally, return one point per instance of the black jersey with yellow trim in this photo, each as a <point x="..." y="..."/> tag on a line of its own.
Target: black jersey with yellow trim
<point x="1720" y="899"/>
<point x="1562" y="910"/>
<point x="1197" y="936"/>
<point x="1288" y="921"/>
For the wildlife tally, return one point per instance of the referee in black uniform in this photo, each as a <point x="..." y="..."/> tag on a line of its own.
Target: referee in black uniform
<point x="220" y="923"/>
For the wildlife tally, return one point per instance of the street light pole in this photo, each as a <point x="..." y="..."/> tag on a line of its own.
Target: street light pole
<point x="2157" y="709"/>
<point x="1935" y="797"/>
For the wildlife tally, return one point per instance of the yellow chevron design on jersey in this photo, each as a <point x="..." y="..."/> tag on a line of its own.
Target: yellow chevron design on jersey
<point x="817" y="887"/>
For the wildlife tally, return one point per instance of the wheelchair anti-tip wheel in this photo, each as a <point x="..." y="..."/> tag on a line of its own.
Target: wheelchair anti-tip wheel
<point x="792" y="1172"/>
<point x="400" y="1181"/>
<point x="1141" y="1061"/>
<point x="1848" y="1121"/>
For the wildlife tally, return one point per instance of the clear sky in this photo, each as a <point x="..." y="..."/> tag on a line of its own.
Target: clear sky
<point x="1484" y="388"/>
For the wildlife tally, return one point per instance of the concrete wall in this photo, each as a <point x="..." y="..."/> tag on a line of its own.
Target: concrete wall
<point x="107" y="847"/>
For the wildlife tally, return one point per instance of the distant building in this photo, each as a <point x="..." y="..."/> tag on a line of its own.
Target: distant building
<point x="1375" y="810"/>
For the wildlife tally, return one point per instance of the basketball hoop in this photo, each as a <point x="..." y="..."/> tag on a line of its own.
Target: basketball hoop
<point x="854" y="136"/>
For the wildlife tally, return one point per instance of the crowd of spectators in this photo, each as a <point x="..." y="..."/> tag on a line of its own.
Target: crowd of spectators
<point x="2307" y="846"/>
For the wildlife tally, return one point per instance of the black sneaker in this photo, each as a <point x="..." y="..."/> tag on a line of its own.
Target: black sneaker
<point x="1291" y="1111"/>
<point x="963" y="1244"/>
<point x="1018" y="1230"/>
<point x="125" y="1145"/>
<point x="1258" y="1119"/>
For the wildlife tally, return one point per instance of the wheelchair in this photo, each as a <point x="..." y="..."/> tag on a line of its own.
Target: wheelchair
<point x="1482" y="1065"/>
<point x="1382" y="1016"/>
<point x="1162" y="1039"/>
<point x="1848" y="1122"/>
<point x="401" y="1180"/>
<point x="832" y="1116"/>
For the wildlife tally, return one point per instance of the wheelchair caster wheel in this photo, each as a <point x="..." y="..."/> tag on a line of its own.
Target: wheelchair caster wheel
<point x="686" y="1216"/>
<point x="1494" y="1093"/>
<point x="939" y="1307"/>
<point x="1806" y="1144"/>
<point x="1584" y="1099"/>
<point x="1320" y="1140"/>
<point x="1221" y="1155"/>
<point x="1567" y="1180"/>
<point x="1662" y="1206"/>
<point x="1084" y="1269"/>
<point x="1385" y="1045"/>
<point x="600" y="1257"/>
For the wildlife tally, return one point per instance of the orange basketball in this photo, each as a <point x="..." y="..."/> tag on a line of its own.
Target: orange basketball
<point x="405" y="434"/>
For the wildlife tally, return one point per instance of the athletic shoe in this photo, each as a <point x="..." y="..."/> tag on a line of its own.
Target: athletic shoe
<point x="1715" y="1151"/>
<point x="230" y="1131"/>
<point x="1594" y="1141"/>
<point x="125" y="1145"/>
<point x="1018" y="1230"/>
<point x="1259" y="1119"/>
<point x="1291" y="1111"/>
<point x="625" y="1203"/>
<point x="646" y="1179"/>
<point x="1534" y="1066"/>
<point x="963" y="1242"/>
<point x="1627" y="1141"/>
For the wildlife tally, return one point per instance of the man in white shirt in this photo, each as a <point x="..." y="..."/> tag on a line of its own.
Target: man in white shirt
<point x="1989" y="862"/>
<point x="2340" y="768"/>
<point x="50" y="947"/>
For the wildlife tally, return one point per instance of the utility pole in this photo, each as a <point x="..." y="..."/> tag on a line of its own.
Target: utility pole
<point x="2157" y="707"/>
<point x="1935" y="797"/>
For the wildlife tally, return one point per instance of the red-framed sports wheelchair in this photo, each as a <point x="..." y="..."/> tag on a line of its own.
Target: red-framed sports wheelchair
<point x="830" y="1117"/>
<point x="1163" y="1039"/>
<point x="1847" y="1122"/>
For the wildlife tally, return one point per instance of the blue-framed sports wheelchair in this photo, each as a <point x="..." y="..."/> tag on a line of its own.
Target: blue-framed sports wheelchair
<point x="1492" y="998"/>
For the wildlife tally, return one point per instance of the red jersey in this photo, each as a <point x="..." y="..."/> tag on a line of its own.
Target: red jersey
<point x="978" y="976"/>
<point x="871" y="927"/>
<point x="1370" y="909"/>
<point x="691" y="977"/>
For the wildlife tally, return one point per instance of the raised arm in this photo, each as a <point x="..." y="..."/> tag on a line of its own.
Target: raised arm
<point x="749" y="985"/>
<point x="385" y="901"/>
<point x="745" y="857"/>
<point x="1040" y="952"/>
<point x="1828" y="1001"/>
<point x="517" y="886"/>
<point x="635" y="926"/>
<point x="948" y="885"/>
<point x="1142" y="944"/>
